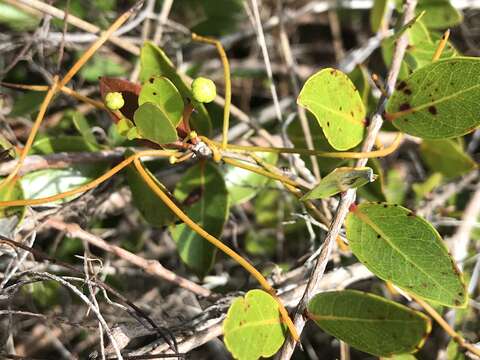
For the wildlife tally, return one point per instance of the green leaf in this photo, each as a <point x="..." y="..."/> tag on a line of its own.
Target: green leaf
<point x="447" y="157"/>
<point x="398" y="246"/>
<point x="161" y="92"/>
<point x="204" y="197"/>
<point x="439" y="14"/>
<point x="438" y="100"/>
<point x="153" y="124"/>
<point x="253" y="327"/>
<point x="153" y="210"/>
<point x="377" y="14"/>
<point x="154" y="62"/>
<point x="337" y="106"/>
<point x="49" y="182"/>
<point x="10" y="217"/>
<point x="242" y="184"/>
<point x="340" y="180"/>
<point x="369" y="322"/>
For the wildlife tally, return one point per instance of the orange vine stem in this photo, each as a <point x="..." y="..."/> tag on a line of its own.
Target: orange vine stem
<point x="228" y="85"/>
<point x="60" y="84"/>
<point x="441" y="46"/>
<point x="66" y="90"/>
<point x="217" y="243"/>
<point x="90" y="185"/>
<point x="341" y="154"/>
<point x="448" y="329"/>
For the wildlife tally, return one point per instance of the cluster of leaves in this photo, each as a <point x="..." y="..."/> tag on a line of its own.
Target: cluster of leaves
<point x="435" y="101"/>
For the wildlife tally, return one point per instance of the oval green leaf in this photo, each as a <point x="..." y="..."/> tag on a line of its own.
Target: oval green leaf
<point x="204" y="198"/>
<point x="339" y="180"/>
<point x="369" y="322"/>
<point x="439" y="100"/>
<point x="333" y="99"/>
<point x="153" y="210"/>
<point x="447" y="157"/>
<point x="253" y="327"/>
<point x="398" y="246"/>
<point x="154" y="62"/>
<point x="153" y="124"/>
<point x="161" y="92"/>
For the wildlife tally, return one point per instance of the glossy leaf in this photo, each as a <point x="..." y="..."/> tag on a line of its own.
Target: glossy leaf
<point x="160" y="91"/>
<point x="439" y="100"/>
<point x="398" y="246"/>
<point x="337" y="106"/>
<point x="439" y="14"/>
<point x="154" y="125"/>
<point x="340" y="180"/>
<point x="369" y="322"/>
<point x="242" y="184"/>
<point x="447" y="157"/>
<point x="154" y="62"/>
<point x="253" y="327"/>
<point x="153" y="210"/>
<point x="203" y="195"/>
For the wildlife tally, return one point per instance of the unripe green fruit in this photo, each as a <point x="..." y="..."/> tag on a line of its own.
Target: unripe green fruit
<point x="204" y="90"/>
<point x="114" y="100"/>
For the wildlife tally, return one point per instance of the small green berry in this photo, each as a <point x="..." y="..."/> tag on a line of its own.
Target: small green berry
<point x="204" y="90"/>
<point x="114" y="100"/>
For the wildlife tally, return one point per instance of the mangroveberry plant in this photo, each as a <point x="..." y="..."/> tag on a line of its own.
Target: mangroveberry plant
<point x="165" y="117"/>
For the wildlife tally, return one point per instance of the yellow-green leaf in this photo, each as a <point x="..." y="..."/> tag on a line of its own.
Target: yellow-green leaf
<point x="333" y="99"/>
<point x="153" y="124"/>
<point x="154" y="62"/>
<point x="253" y="327"/>
<point x="161" y="92"/>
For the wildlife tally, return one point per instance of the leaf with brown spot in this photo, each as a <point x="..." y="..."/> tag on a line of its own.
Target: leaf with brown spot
<point x="451" y="111"/>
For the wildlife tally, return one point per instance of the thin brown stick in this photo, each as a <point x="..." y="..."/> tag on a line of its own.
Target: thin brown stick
<point x="152" y="267"/>
<point x="349" y="197"/>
